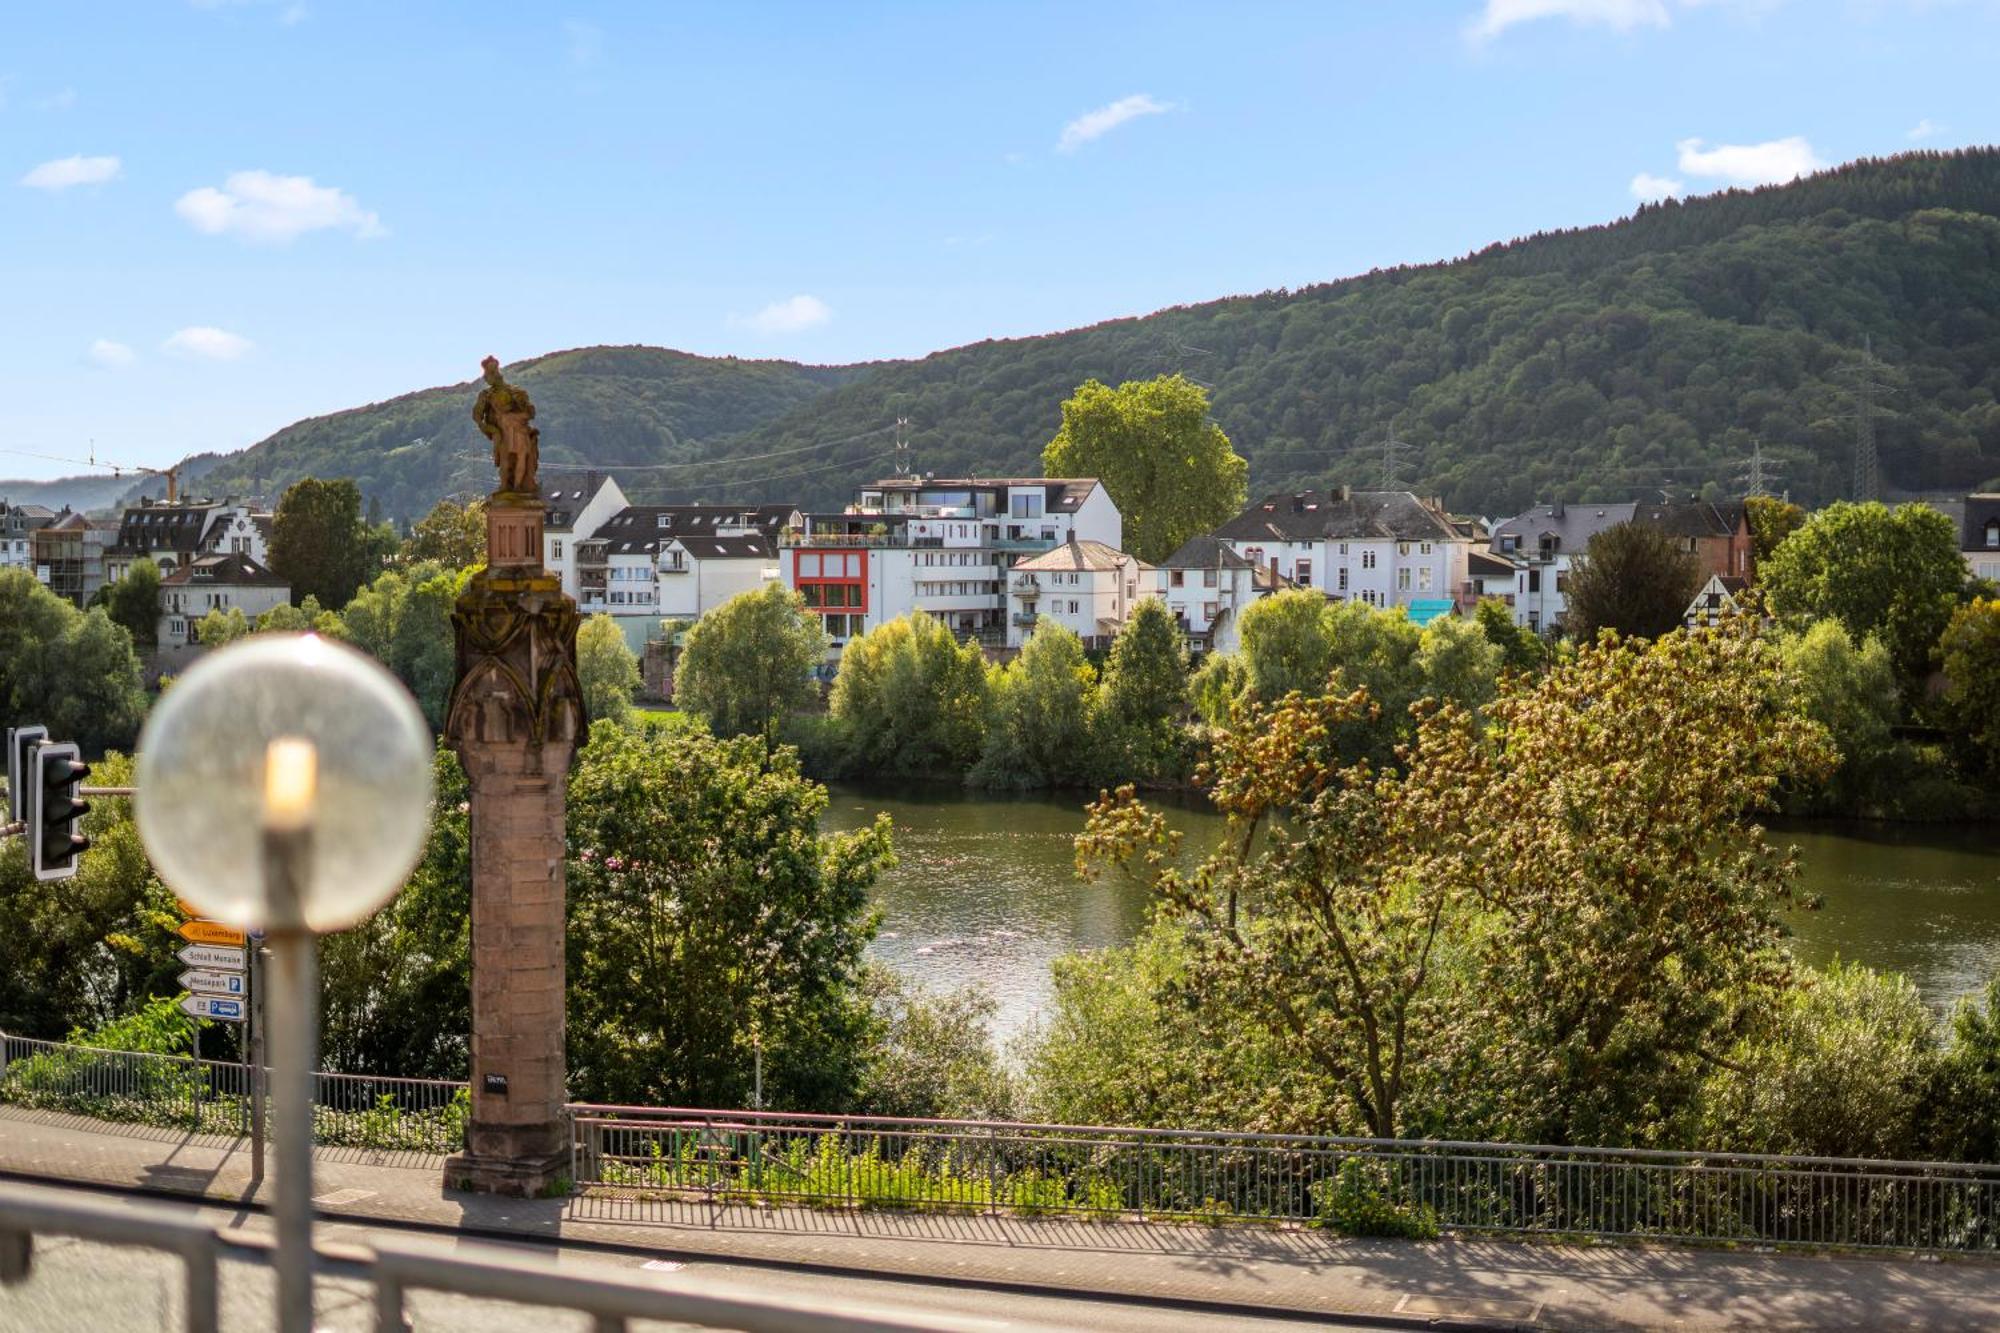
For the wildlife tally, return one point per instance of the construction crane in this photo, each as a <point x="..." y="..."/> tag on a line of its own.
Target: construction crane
<point x="172" y="474"/>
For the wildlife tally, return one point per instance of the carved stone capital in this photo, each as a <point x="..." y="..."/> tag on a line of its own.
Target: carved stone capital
<point x="516" y="681"/>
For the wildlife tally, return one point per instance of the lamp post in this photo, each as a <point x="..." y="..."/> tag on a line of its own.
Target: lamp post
<point x="285" y="782"/>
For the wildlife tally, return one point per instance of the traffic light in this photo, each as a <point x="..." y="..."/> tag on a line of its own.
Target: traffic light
<point x="21" y="742"/>
<point x="53" y="842"/>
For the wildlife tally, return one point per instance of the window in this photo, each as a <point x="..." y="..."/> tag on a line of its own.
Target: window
<point x="1993" y="532"/>
<point x="1509" y="542"/>
<point x="1208" y="578"/>
<point x="1343" y="548"/>
<point x="555" y="549"/>
<point x="1402" y="548"/>
<point x="1303" y="571"/>
<point x="1024" y="506"/>
<point x="1072" y="608"/>
<point x="1368" y="560"/>
<point x="1255" y="555"/>
<point x="1403" y="579"/>
<point x="1562" y="580"/>
<point x="663" y="521"/>
<point x="1424" y="579"/>
<point x="1424" y="549"/>
<point x="1343" y="578"/>
<point x="1176" y="579"/>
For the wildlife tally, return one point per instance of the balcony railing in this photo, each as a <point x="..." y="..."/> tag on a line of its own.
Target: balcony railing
<point x="1026" y="619"/>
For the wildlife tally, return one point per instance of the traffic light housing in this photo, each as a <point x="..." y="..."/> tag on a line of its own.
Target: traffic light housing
<point x="53" y="843"/>
<point x="21" y="742"/>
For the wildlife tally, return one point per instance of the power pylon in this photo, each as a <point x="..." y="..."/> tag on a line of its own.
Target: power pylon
<point x="1867" y="387"/>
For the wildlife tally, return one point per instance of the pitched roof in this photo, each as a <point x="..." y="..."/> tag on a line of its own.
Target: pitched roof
<point x="1484" y="564"/>
<point x="1206" y="551"/>
<point x="1080" y="555"/>
<point x="165" y="527"/>
<point x="1693" y="518"/>
<point x="1568" y="526"/>
<point x="563" y="496"/>
<point x="1981" y="508"/>
<point x="1357" y="515"/>
<point x="642" y="527"/>
<point x="232" y="568"/>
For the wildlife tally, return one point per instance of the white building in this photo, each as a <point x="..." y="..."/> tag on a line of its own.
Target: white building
<point x="1085" y="586"/>
<point x="173" y="534"/>
<point x="942" y="546"/>
<point x="1543" y="543"/>
<point x="1208" y="587"/>
<point x="208" y="583"/>
<point x="1979" y="539"/>
<point x="1382" y="548"/>
<point x="646" y="563"/>
<point x="574" y="506"/>
<point x="18" y="524"/>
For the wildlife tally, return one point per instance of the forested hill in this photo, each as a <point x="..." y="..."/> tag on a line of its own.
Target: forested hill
<point x="1602" y="362"/>
<point x="594" y="405"/>
<point x="1608" y="361"/>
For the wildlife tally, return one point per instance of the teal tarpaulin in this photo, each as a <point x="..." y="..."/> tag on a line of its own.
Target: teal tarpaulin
<point x="1424" y="610"/>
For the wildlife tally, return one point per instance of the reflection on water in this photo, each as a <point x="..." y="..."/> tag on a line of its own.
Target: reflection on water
<point x="986" y="894"/>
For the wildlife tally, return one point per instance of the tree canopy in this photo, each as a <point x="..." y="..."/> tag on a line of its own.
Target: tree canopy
<point x="750" y="662"/>
<point x="1632" y="579"/>
<point x="1166" y="465"/>
<point x="319" y="543"/>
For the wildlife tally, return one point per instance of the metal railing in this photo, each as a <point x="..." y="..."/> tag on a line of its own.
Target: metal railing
<point x="213" y="1096"/>
<point x="479" y="1271"/>
<point x="1360" y="1186"/>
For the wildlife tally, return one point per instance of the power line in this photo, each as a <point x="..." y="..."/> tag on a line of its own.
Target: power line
<point x="801" y="472"/>
<point x="1865" y="385"/>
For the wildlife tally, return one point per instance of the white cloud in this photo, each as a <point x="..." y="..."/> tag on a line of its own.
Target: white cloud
<point x="1648" y="188"/>
<point x="65" y="172"/>
<point x="207" y="343"/>
<point x="111" y="355"/>
<point x="1923" y="129"/>
<point x="1749" y="164"/>
<point x="794" y="314"/>
<point x="1620" y="15"/>
<point x="260" y="206"/>
<point x="1094" y="124"/>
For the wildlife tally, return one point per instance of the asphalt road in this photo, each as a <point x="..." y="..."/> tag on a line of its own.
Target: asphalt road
<point x="83" y="1285"/>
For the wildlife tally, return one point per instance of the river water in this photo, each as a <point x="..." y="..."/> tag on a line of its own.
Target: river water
<point x="985" y="894"/>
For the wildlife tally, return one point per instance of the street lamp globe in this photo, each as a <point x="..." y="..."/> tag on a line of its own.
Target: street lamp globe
<point x="284" y="732"/>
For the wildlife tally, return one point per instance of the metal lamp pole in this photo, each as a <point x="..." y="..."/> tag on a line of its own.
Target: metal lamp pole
<point x="291" y="772"/>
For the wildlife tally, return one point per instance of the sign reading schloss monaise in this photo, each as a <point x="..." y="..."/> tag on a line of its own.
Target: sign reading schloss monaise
<point x="213" y="955"/>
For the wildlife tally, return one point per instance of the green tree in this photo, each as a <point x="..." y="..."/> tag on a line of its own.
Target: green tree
<point x="1970" y="648"/>
<point x="709" y="918"/>
<point x="1521" y="649"/>
<point x="134" y="602"/>
<point x="220" y="627"/>
<point x="72" y="671"/>
<point x="1285" y="644"/>
<point x="452" y="535"/>
<point x="1166" y="465"/>
<point x="1771" y="521"/>
<point x="1964" y="1120"/>
<point x="750" y="662"/>
<point x="319" y="543"/>
<point x="910" y="699"/>
<point x="1042" y="715"/>
<point x="1632" y="579"/>
<point x="1895" y="574"/>
<point x="1843" y="1069"/>
<point x="1457" y="661"/>
<point x="396" y="990"/>
<point x="1143" y="713"/>
<point x="606" y="668"/>
<point x="403" y="620"/>
<point x="934" y="1056"/>
<point x="305" y="618"/>
<point x="1218" y="684"/>
<point x="1849" y="689"/>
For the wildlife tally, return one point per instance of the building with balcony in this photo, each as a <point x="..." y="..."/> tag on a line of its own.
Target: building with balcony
<point x="1085" y="586"/>
<point x="1208" y="587"/>
<point x="646" y="563"/>
<point x="1381" y="548"/>
<point x="574" y="507"/>
<point x="944" y="547"/>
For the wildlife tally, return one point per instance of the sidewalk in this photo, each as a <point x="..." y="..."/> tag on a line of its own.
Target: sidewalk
<point x="1487" y="1283"/>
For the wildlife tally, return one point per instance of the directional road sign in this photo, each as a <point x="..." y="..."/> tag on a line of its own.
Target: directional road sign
<point x="213" y="1006"/>
<point x="210" y="932"/>
<point x="212" y="955"/>
<point x="204" y="981"/>
<point x="187" y="908"/>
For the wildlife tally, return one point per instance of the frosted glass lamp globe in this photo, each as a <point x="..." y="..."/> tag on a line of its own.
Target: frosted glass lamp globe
<point x="351" y="762"/>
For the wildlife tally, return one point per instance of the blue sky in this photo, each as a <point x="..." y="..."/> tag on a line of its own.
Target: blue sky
<point x="218" y="216"/>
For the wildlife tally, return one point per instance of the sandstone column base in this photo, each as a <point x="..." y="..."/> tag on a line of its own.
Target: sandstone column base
<point x="514" y="1176"/>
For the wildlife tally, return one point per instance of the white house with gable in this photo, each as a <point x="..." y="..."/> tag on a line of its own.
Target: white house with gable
<point x="1381" y="548"/>
<point x="1086" y="586"/>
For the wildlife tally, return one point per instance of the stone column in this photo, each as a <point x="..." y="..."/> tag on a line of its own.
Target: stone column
<point x="514" y="719"/>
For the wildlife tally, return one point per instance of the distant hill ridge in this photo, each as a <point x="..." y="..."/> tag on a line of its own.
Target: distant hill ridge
<point x="1600" y="362"/>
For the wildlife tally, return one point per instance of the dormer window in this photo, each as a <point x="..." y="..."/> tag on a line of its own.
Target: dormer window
<point x="1993" y="533"/>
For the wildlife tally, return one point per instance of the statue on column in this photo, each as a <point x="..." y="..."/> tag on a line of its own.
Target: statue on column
<point x="505" y="416"/>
